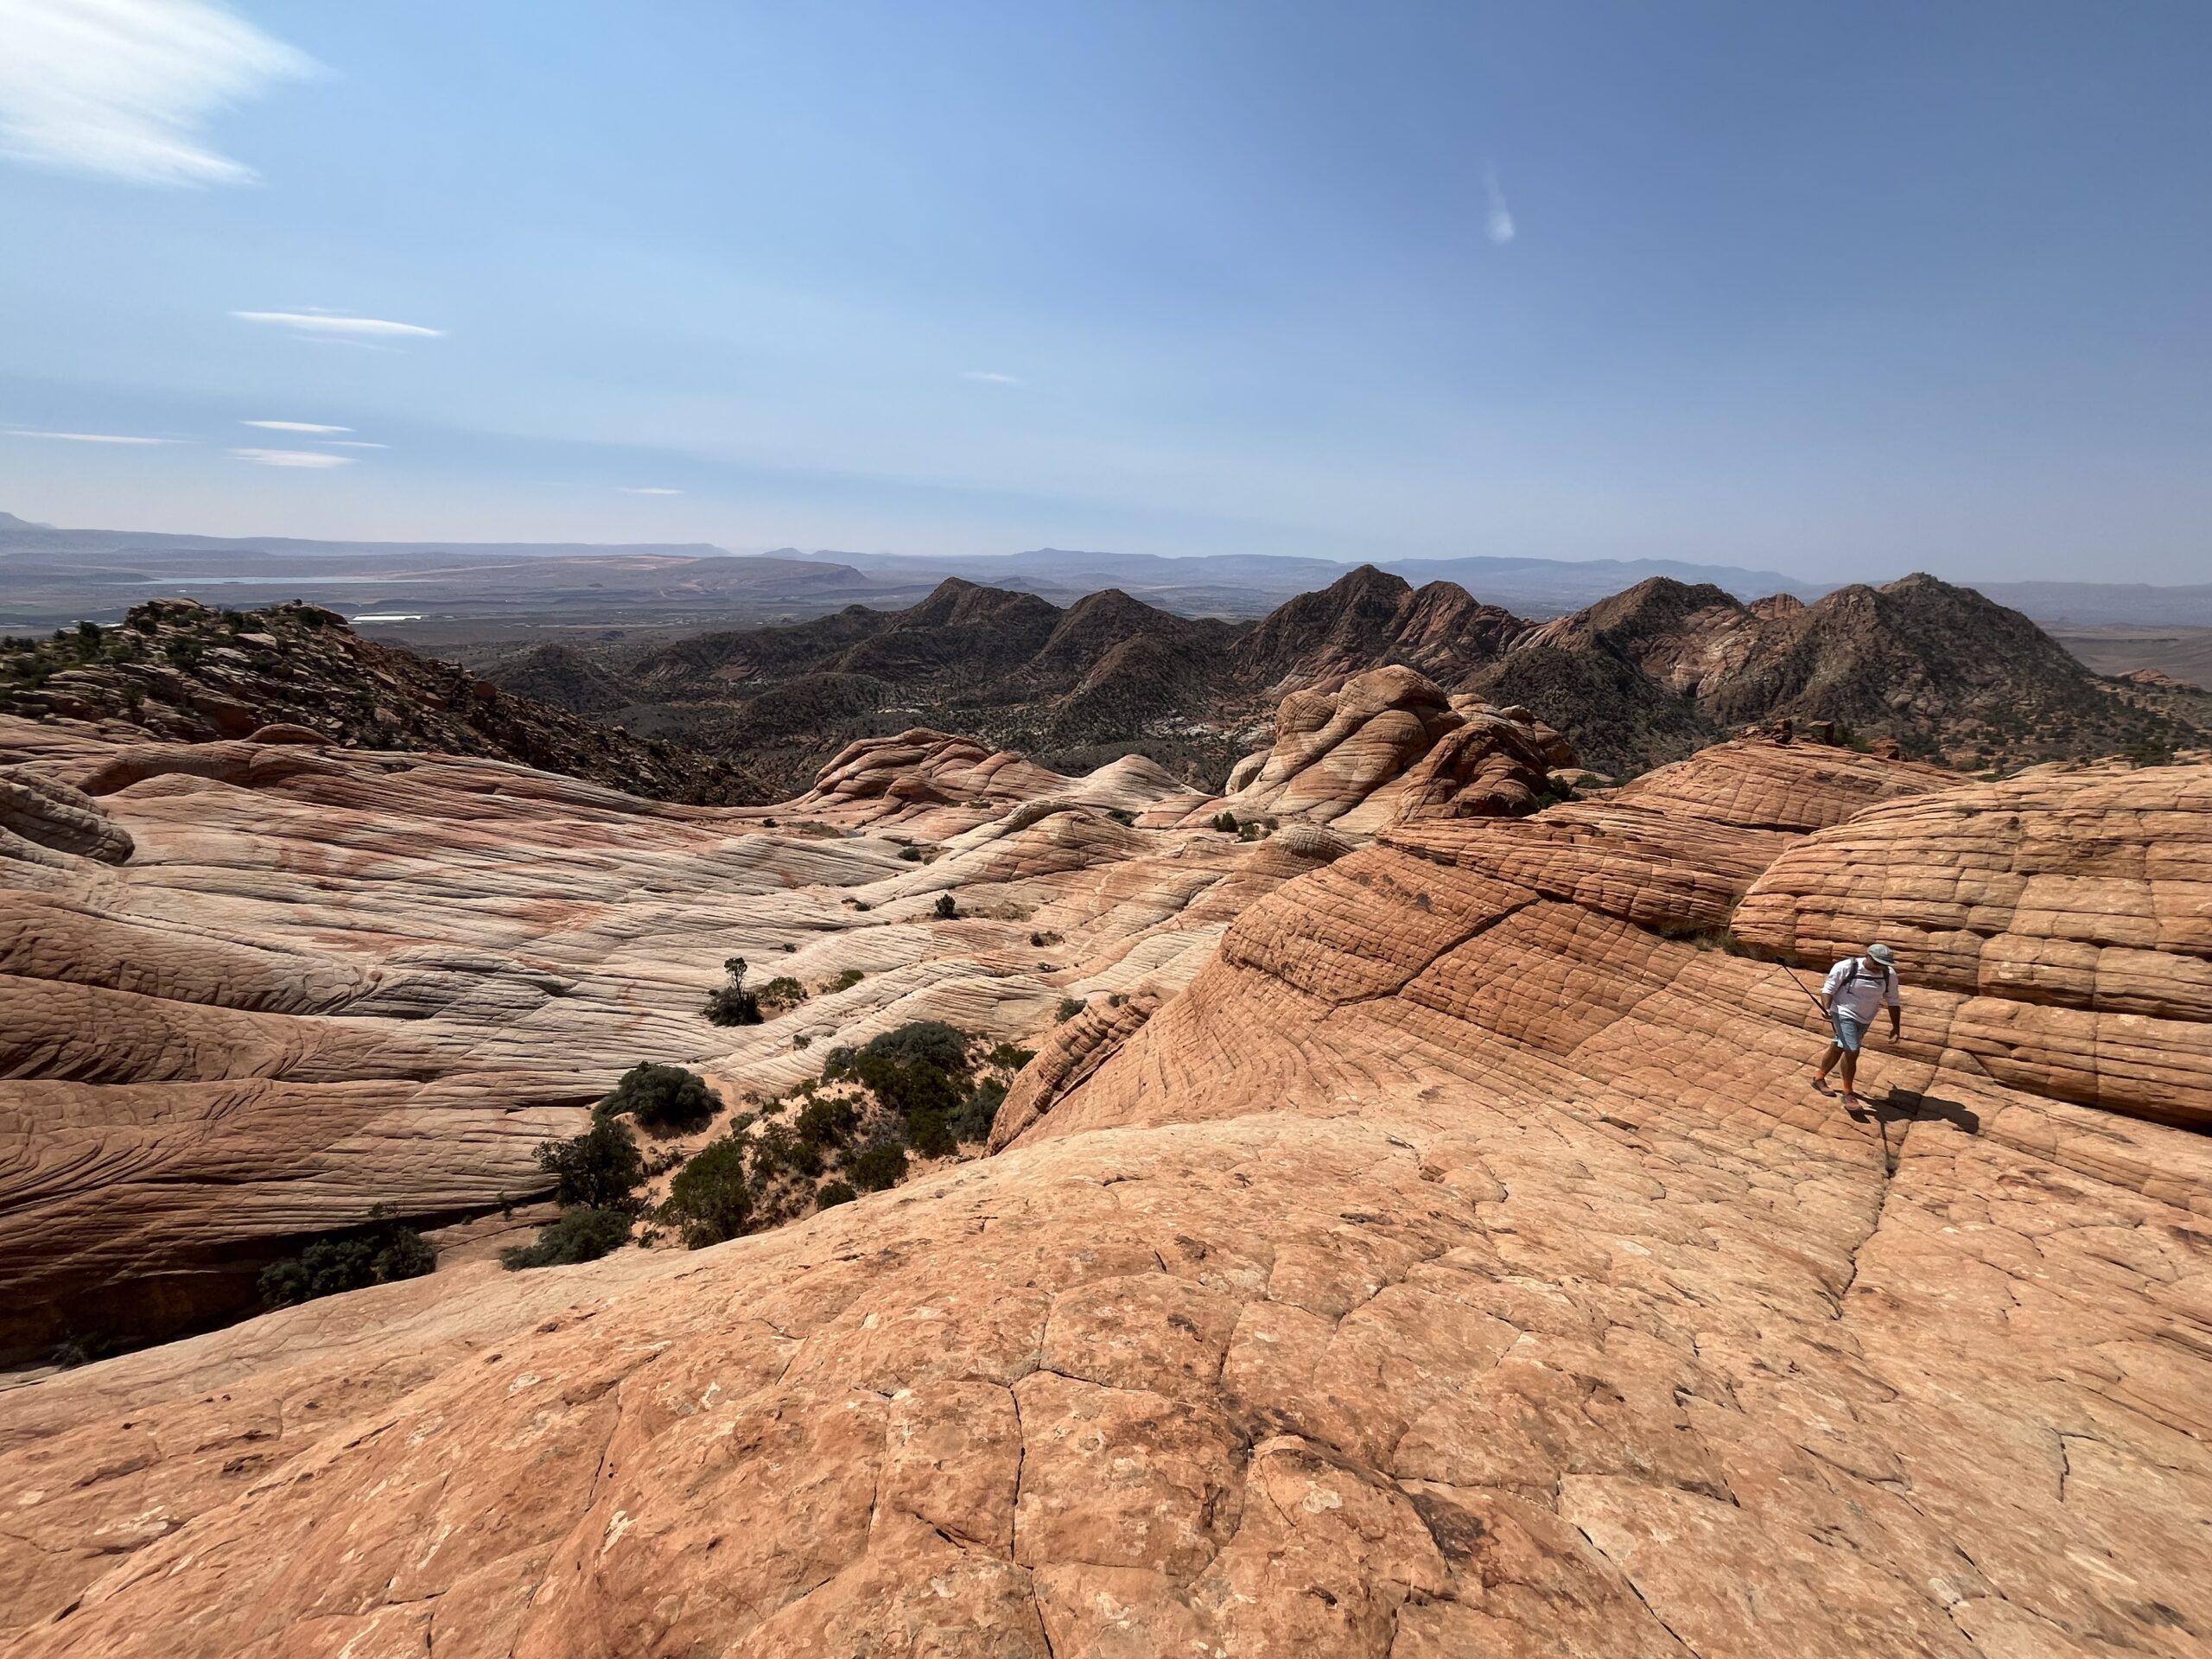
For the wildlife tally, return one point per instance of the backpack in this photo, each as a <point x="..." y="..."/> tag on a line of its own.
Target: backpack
<point x="1855" y="976"/>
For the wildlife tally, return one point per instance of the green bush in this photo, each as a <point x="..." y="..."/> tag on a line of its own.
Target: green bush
<point x="908" y="1088"/>
<point x="664" y="1099"/>
<point x="1010" y="1056"/>
<point x="375" y="1254"/>
<point x="930" y="1133"/>
<point x="911" y="854"/>
<point x="710" y="1200"/>
<point x="877" y="1167"/>
<point x="973" y="1122"/>
<point x="931" y="1042"/>
<point x="580" y="1235"/>
<point x="599" y="1169"/>
<point x="777" y="1150"/>
<point x="826" y="1122"/>
<point x="946" y="909"/>
<point x="1225" y="822"/>
<point x="732" y="1005"/>
<point x="1070" y="1006"/>
<point x="846" y="981"/>
<point x="833" y="1193"/>
<point x="782" y="992"/>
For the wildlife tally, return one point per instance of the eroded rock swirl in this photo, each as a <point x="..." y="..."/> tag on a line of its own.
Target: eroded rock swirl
<point x="1438" y="1251"/>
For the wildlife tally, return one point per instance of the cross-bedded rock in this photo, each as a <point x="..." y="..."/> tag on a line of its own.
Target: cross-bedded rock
<point x="1458" y="1264"/>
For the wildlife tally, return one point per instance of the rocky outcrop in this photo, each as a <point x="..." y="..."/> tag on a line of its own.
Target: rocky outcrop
<point x="177" y="670"/>
<point x="1389" y="747"/>
<point x="1458" y="1263"/>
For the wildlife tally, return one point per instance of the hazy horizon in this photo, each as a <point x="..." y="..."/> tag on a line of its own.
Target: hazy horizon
<point x="1839" y="292"/>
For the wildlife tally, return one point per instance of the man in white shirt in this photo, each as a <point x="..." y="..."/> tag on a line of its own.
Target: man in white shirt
<point x="1854" y="989"/>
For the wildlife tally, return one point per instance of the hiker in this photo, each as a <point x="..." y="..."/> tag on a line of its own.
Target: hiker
<point x="1855" y="988"/>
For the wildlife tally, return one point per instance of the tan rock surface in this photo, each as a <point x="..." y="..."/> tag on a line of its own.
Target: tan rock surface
<point x="1383" y="747"/>
<point x="326" y="980"/>
<point x="1457" y="1266"/>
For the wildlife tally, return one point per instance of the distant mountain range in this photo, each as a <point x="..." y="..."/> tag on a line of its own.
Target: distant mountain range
<point x="1643" y="677"/>
<point x="50" y="575"/>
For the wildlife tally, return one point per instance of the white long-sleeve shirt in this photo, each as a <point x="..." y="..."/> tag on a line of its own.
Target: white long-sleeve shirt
<point x="1860" y="994"/>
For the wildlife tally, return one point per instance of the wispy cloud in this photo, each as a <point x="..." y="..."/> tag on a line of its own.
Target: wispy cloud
<point x="354" y="443"/>
<point x="646" y="489"/>
<point x="86" y="437"/>
<point x="1497" y="224"/>
<point x="990" y="378"/>
<point x="336" y="322"/>
<point x="294" y="426"/>
<point x="292" y="457"/>
<point x="121" y="88"/>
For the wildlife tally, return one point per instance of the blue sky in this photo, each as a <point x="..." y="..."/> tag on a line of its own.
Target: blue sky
<point x="1843" y="290"/>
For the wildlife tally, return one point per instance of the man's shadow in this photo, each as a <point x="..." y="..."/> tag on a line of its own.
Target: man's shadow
<point x="1909" y="1105"/>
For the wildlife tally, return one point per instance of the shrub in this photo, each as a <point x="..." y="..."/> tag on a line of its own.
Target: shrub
<point x="878" y="1167"/>
<point x="732" y="1005"/>
<point x="930" y="1133"/>
<point x="375" y="1254"/>
<point x="910" y="1088"/>
<point x="1010" y="1057"/>
<point x="1225" y="822"/>
<point x="598" y="1169"/>
<point x="710" y="1198"/>
<point x="184" y="651"/>
<point x="833" y="1193"/>
<point x="664" y="1099"/>
<point x="776" y="1150"/>
<point x="1070" y="1006"/>
<point x="782" y="992"/>
<point x="973" y="1122"/>
<point x="911" y="854"/>
<point x="846" y="981"/>
<point x="580" y="1235"/>
<point x="826" y="1122"/>
<point x="928" y="1042"/>
<point x="946" y="909"/>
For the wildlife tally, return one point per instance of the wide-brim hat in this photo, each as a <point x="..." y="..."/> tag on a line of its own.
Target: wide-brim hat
<point x="1883" y="954"/>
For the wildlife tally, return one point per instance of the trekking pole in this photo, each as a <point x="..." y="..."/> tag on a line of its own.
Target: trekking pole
<point x="1799" y="985"/>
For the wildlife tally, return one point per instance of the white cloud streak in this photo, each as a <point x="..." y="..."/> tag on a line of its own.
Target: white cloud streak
<point x="85" y="437"/>
<point x="990" y="378"/>
<point x="294" y="426"/>
<point x="334" y="322"/>
<point x="354" y="443"/>
<point x="292" y="457"/>
<point x="1497" y="223"/>
<point x="645" y="489"/>
<point x="120" y="89"/>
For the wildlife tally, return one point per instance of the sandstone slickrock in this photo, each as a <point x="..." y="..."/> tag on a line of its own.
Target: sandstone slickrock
<point x="323" y="980"/>
<point x="1458" y="1264"/>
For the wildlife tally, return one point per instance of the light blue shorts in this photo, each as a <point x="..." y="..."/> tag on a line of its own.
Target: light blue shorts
<point x="1849" y="1033"/>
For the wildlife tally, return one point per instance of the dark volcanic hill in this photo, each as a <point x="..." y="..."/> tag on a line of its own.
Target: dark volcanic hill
<point x="1939" y="668"/>
<point x="177" y="670"/>
<point x="1641" y="678"/>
